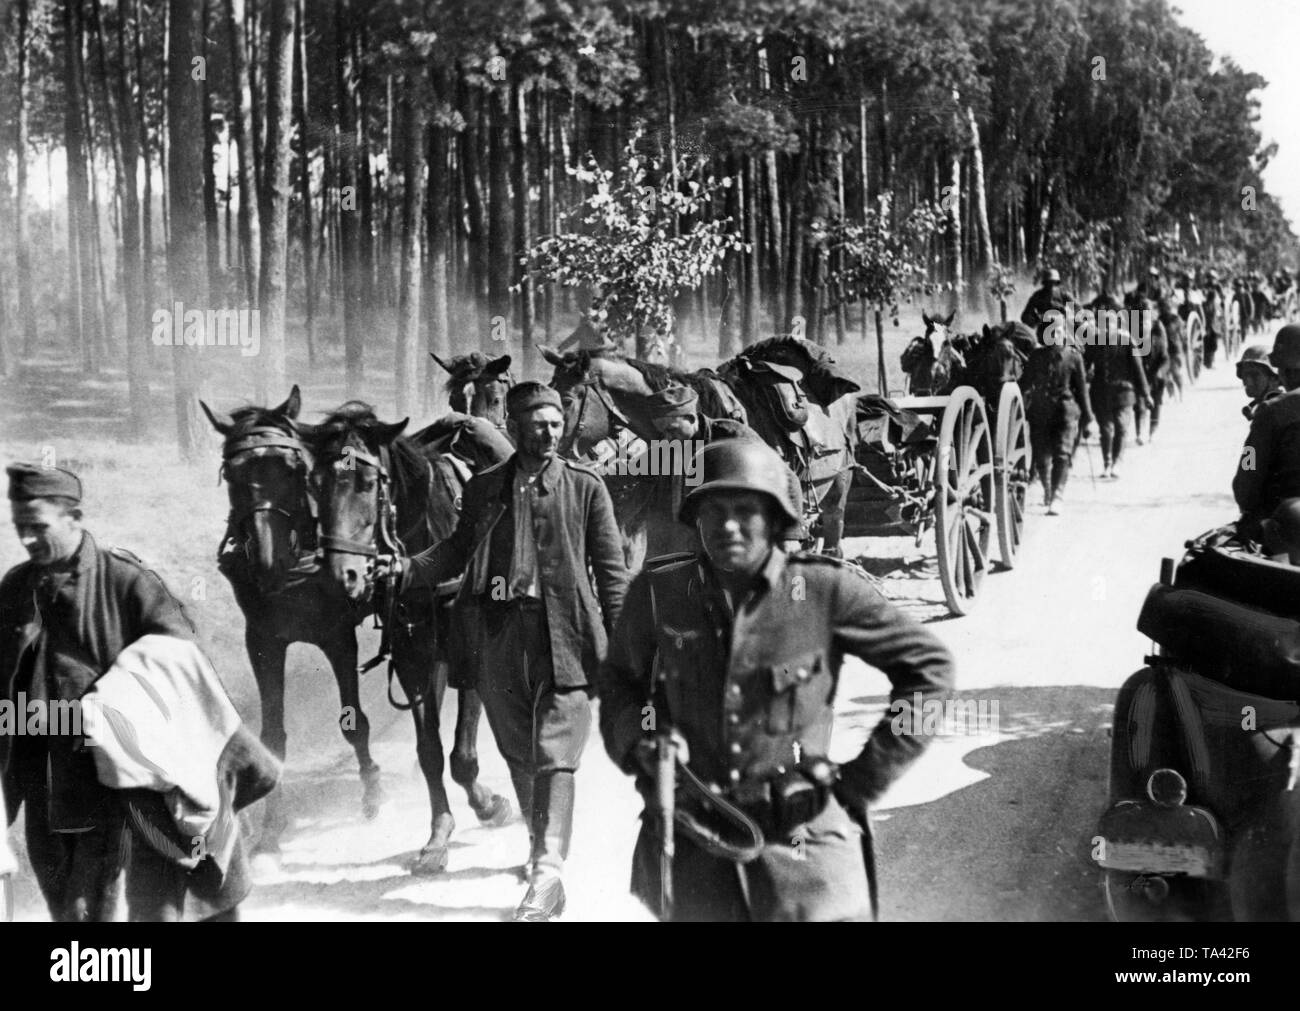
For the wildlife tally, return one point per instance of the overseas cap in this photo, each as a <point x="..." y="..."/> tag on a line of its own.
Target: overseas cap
<point x="673" y="402"/>
<point x="524" y="397"/>
<point x="28" y="481"/>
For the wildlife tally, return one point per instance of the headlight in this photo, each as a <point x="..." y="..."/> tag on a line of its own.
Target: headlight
<point x="1167" y="788"/>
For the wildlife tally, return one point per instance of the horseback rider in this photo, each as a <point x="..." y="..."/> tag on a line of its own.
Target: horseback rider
<point x="1258" y="378"/>
<point x="735" y="651"/>
<point x="1050" y="296"/>
<point x="66" y="614"/>
<point x="1269" y="469"/>
<point x="1056" y="401"/>
<point x="528" y="528"/>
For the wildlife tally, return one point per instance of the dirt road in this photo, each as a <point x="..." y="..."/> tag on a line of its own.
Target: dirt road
<point x="992" y="824"/>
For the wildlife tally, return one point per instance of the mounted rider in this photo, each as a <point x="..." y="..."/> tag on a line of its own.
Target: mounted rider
<point x="734" y="651"/>
<point x="1050" y="296"/>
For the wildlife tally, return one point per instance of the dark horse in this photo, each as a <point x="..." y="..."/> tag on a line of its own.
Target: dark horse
<point x="787" y="393"/>
<point x="381" y="493"/>
<point x="477" y="385"/>
<point x="268" y="553"/>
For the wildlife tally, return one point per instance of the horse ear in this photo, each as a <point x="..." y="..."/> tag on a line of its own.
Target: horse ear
<point x="551" y="355"/>
<point x="387" y="433"/>
<point x="988" y="331"/>
<point x="948" y="321"/>
<point x="445" y="366"/>
<point x="224" y="425"/>
<point x="290" y="408"/>
<point x="925" y="317"/>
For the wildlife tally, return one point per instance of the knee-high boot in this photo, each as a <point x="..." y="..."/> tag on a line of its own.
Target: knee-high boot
<point x="553" y="795"/>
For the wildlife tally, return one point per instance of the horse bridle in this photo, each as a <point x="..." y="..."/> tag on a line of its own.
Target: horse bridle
<point x="259" y="438"/>
<point x="616" y="417"/>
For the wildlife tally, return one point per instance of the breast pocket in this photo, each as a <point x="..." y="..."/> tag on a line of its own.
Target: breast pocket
<point x="800" y="691"/>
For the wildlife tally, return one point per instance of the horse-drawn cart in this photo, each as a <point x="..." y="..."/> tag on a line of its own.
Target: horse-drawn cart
<point x="939" y="463"/>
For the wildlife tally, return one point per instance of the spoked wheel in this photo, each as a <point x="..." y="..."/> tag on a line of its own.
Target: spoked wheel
<point x="1195" y="346"/>
<point x="1234" y="328"/>
<point x="1012" y="468"/>
<point x="964" y="498"/>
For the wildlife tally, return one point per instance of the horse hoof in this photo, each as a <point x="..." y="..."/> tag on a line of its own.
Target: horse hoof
<point x="496" y="813"/>
<point x="372" y="801"/>
<point x="432" y="860"/>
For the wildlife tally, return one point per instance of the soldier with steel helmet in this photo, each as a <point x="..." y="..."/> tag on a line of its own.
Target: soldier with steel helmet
<point x="1269" y="469"/>
<point x="1258" y="378"/>
<point x="1050" y="296"/>
<point x="733" y="651"/>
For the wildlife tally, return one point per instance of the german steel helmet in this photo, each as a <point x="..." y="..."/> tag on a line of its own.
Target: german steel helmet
<point x="741" y="465"/>
<point x="1051" y="274"/>
<point x="1258" y="356"/>
<point x="1286" y="347"/>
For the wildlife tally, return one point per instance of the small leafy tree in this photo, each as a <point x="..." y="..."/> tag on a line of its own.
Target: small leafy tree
<point x="620" y="243"/>
<point x="1082" y="255"/>
<point x="882" y="264"/>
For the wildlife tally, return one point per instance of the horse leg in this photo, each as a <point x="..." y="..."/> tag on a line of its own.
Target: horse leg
<point x="266" y="653"/>
<point x="490" y="808"/>
<point x="353" y="722"/>
<point x="426" y="692"/>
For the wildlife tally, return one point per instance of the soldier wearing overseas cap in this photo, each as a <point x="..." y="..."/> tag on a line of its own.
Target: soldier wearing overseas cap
<point x="527" y="530"/>
<point x="1050" y="296"/>
<point x="736" y="650"/>
<point x="65" y="615"/>
<point x="1269" y="469"/>
<point x="1258" y="378"/>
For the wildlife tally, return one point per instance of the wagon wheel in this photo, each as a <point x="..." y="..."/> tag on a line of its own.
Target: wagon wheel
<point x="1012" y="468"/>
<point x="964" y="498"/>
<point x="1195" y="346"/>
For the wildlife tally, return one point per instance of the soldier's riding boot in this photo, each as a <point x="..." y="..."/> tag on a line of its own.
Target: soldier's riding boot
<point x="523" y="780"/>
<point x="553" y="794"/>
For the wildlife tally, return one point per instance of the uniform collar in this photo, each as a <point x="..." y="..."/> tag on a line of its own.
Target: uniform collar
<point x="767" y="576"/>
<point x="550" y="472"/>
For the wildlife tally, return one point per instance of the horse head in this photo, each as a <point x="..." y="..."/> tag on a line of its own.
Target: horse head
<point x="359" y="477"/>
<point x="933" y="361"/>
<point x="477" y="385"/>
<point x="266" y="464"/>
<point x="587" y="418"/>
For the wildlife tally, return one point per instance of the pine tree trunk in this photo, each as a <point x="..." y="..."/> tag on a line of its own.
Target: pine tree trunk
<point x="753" y="282"/>
<point x="216" y="280"/>
<point x="440" y="228"/>
<point x="304" y="176"/>
<point x="137" y="314"/>
<point x="472" y="179"/>
<point x="954" y="231"/>
<point x="546" y="210"/>
<point x="523" y="229"/>
<point x="142" y="124"/>
<point x="500" y="226"/>
<point x="80" y="263"/>
<point x="408" y="350"/>
<point x="241" y="124"/>
<point x="349" y="231"/>
<point x="275" y="210"/>
<point x="186" y="247"/>
<point x="26" y="308"/>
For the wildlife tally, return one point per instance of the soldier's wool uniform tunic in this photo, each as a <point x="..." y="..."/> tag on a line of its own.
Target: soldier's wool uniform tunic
<point x="1040" y="302"/>
<point x="1269" y="468"/>
<point x="752" y="692"/>
<point x="1056" y="403"/>
<point x="61" y="627"/>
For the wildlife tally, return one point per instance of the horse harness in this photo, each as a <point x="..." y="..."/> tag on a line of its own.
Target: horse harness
<point x="262" y="438"/>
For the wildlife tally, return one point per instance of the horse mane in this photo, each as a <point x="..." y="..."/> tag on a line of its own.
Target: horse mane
<point x="656" y="376"/>
<point x="251" y="416"/>
<point x="408" y="468"/>
<point x="823" y="378"/>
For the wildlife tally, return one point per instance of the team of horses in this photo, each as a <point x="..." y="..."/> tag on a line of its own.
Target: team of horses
<point x="313" y="504"/>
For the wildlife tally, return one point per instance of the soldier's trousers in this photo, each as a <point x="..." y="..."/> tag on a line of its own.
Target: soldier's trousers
<point x="1053" y="435"/>
<point x="817" y="874"/>
<point x="1139" y="409"/>
<point x="79" y="873"/>
<point x="1113" y="407"/>
<point x="540" y="729"/>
